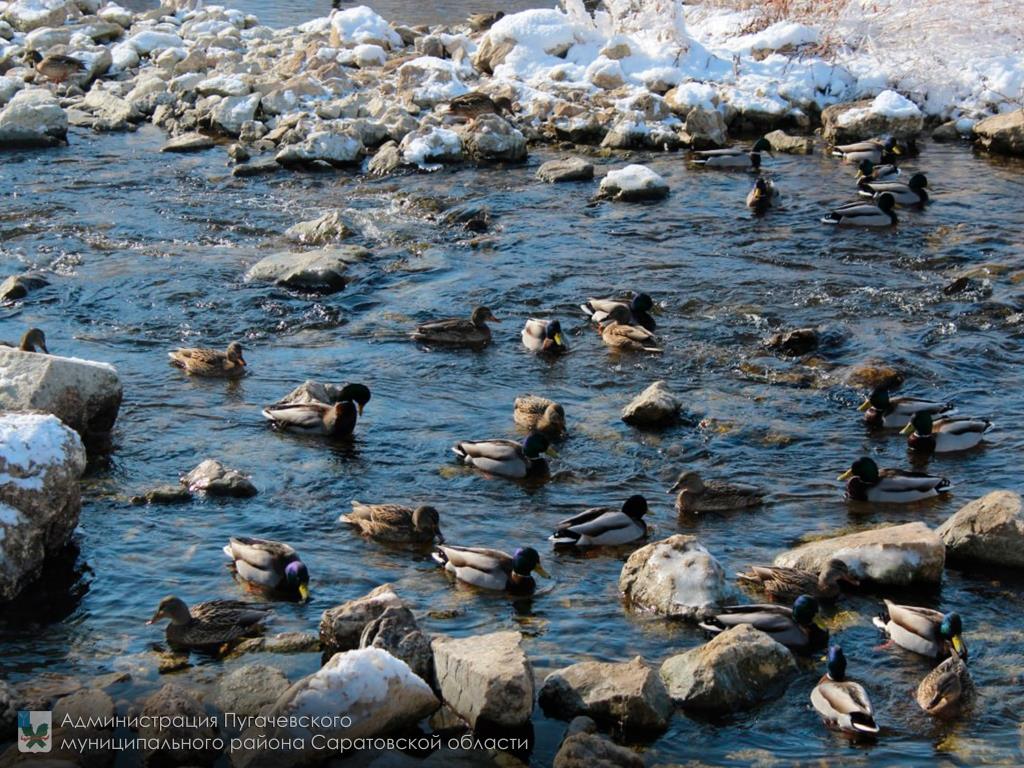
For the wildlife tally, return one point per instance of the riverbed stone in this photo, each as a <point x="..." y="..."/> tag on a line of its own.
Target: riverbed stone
<point x="988" y="531"/>
<point x="170" y="716"/>
<point x="676" y="577"/>
<point x="341" y="627"/>
<point x="566" y="169"/>
<point x="320" y="272"/>
<point x="795" y="342"/>
<point x="704" y="129"/>
<point x="82" y="705"/>
<point x="1003" y="134"/>
<point x="163" y="494"/>
<point x="282" y="642"/>
<point x="486" y="679"/>
<point x="27" y="15"/>
<point x="213" y="478"/>
<point x="583" y="747"/>
<point x="18" y="287"/>
<point x="492" y="138"/>
<point x="656" y="406"/>
<point x="189" y="142"/>
<point x="629" y="694"/>
<point x="634" y="183"/>
<point x="319" y="231"/>
<point x="397" y="632"/>
<point x="869" y="118"/>
<point x="898" y="555"/>
<point x="248" y="689"/>
<point x="737" y="669"/>
<point x="790" y="145"/>
<point x="323" y="146"/>
<point x="33" y="118"/>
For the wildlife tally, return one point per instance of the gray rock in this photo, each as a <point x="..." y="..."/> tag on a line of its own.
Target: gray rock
<point x="654" y="407"/>
<point x="112" y="113"/>
<point x="629" y="695"/>
<point x="19" y="286"/>
<point x="26" y="15"/>
<point x="946" y="132"/>
<point x="566" y="169"/>
<point x="33" y="118"/>
<point x="170" y="715"/>
<point x="232" y="112"/>
<point x="794" y="343"/>
<point x="323" y="146"/>
<point x="633" y="183"/>
<point x="10" y="703"/>
<point x="320" y="231"/>
<point x="1003" y="134"/>
<point x="790" y="145"/>
<point x="80" y="706"/>
<point x="387" y="159"/>
<point x="492" y="138"/>
<point x="486" y="679"/>
<point x="397" y="632"/>
<point x="586" y="749"/>
<point x="341" y="627"/>
<point x="164" y="494"/>
<point x="189" y="142"/>
<point x="321" y="271"/>
<point x="256" y="168"/>
<point x="704" y="129"/>
<point x="676" y="577"/>
<point x="283" y="642"/>
<point x="736" y="670"/>
<point x="214" y="479"/>
<point x="989" y="530"/>
<point x="247" y="690"/>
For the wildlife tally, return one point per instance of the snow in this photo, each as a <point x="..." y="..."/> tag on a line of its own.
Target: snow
<point x="149" y="41"/>
<point x="633" y="178"/>
<point x="440" y="143"/>
<point x="367" y="55"/>
<point x="888" y="103"/>
<point x="361" y="24"/>
<point x="542" y="30"/>
<point x="879" y="562"/>
<point x="436" y="79"/>
<point x="31" y="443"/>
<point x="782" y="34"/>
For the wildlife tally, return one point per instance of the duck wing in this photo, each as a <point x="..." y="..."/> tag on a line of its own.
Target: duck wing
<point x="923" y="622"/>
<point x="449" y="325"/>
<point x="494" y="450"/>
<point x="386" y="514"/>
<point x="228" y="612"/>
<point x="962" y="425"/>
<point x="477" y="558"/>
<point x="846" y="698"/>
<point x="598" y="310"/>
<point x="898" y="481"/>
<point x="303" y="416"/>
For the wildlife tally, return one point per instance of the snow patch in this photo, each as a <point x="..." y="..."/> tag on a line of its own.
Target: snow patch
<point x="31" y="443"/>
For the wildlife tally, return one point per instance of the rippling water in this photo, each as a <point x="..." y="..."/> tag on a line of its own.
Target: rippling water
<point x="150" y="251"/>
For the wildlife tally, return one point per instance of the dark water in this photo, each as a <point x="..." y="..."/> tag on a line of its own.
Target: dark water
<point x="149" y="251"/>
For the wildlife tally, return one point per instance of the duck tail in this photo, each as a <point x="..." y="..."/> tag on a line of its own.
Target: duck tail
<point x="654" y="350"/>
<point x="228" y="552"/>
<point x="880" y="621"/>
<point x="439" y="556"/>
<point x="564" y="537"/>
<point x="459" y="451"/>
<point x="863" y="722"/>
<point x="830" y="219"/>
<point x="989" y="426"/>
<point x="944" y="486"/>
<point x="587" y="309"/>
<point x="837" y="153"/>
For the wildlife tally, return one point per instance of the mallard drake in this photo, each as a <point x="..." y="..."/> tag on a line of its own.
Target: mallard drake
<point x="458" y="332"/>
<point x="394" y="522"/>
<point x="790" y="583"/>
<point x="794" y="627"/>
<point x="617" y="333"/>
<point x="946" y="690"/>
<point x="604" y="526"/>
<point x="843" y="704"/>
<point x="879" y="213"/>
<point x="544" y="336"/>
<point x="881" y="410"/>
<point x="33" y="340"/>
<point x="539" y="414"/>
<point x="874" y="150"/>
<point x="958" y="433"/>
<point x="474" y="104"/>
<point x="57" y="68"/>
<point x="694" y="494"/>
<point x="337" y="420"/>
<point x="640" y="307"/>
<point x="493" y="569"/>
<point x="922" y="630"/>
<point x="210" y="362"/>
<point x="272" y="566"/>
<point x="911" y="192"/>
<point x="507" y="458"/>
<point x="480" y="22"/>
<point x="211" y="625"/>
<point x="734" y="157"/>
<point x="763" y="195"/>
<point x="869" y="171"/>
<point x="866" y="482"/>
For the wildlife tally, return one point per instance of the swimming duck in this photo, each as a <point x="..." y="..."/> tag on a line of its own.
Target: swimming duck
<point x="697" y="495"/>
<point x="946" y="689"/>
<point x="211" y="625"/>
<point x="790" y="583"/>
<point x="881" y="410"/>
<point x="493" y="569"/>
<point x="923" y="631"/>
<point x="544" y="336"/>
<point x="866" y="482"/>
<point x="734" y="157"/>
<point x="794" y="627"/>
<point x="210" y="362"/>
<point x="337" y="420"/>
<point x="617" y="333"/>
<point x="474" y="104"/>
<point x="458" y="332"/>
<point x="957" y="433"/>
<point x="640" y="306"/>
<point x="763" y="195"/>
<point x="604" y="526"/>
<point x="539" y="414"/>
<point x="33" y="340"/>
<point x="271" y="565"/>
<point x="507" y="458"/>
<point x="909" y="192"/>
<point x="869" y="171"/>
<point x="874" y="150"/>
<point x="57" y="68"/>
<point x="843" y="704"/>
<point x="394" y="522"/>
<point x="879" y="213"/>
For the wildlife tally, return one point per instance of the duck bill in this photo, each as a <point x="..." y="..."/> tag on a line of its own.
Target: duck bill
<point x="493" y="319"/>
<point x="541" y="572"/>
<point x="959" y="646"/>
<point x="552" y="453"/>
<point x="896" y="149"/>
<point x="907" y="429"/>
<point x="559" y="340"/>
<point x="439" y="537"/>
<point x="155" y="619"/>
<point x="242" y="360"/>
<point x="673" y="489"/>
<point x="864" y="406"/>
<point x="359" y="407"/>
<point x="303" y="592"/>
<point x="846" y="475"/>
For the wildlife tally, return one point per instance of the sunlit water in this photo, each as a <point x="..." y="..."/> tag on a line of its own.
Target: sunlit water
<point x="150" y="250"/>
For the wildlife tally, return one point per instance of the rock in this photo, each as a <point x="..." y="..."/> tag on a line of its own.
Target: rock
<point x="606" y="74"/>
<point x="10" y="703"/>
<point x="899" y="554"/>
<point x="232" y="112"/>
<point x="214" y="479"/>
<point x="566" y="169"/>
<point x="239" y="153"/>
<point x="397" y="632"/>
<point x="321" y="271"/>
<point x="282" y="642"/>
<point x="704" y="129"/>
<point x="428" y="148"/>
<point x="655" y="406"/>
<point x="580" y="129"/>
<point x="492" y="53"/>
<point x="486" y="679"/>
<point x="164" y="494"/>
<point x="874" y="373"/>
<point x="1003" y="134"/>
<point x="629" y="695"/>
<point x="633" y="183"/>
<point x="169" y="718"/>
<point x="8" y="87"/>
<point x="82" y="705"/>
<point x="33" y="118"/>
<point x="323" y="146"/>
<point x="256" y="168"/>
<point x="790" y="145"/>
<point x="736" y="670"/>
<point x="341" y="627"/>
<point x="582" y="747"/>
<point x="888" y="114"/>
<point x="794" y="343"/>
<point x="676" y="577"/>
<point x="491" y="138"/>
<point x="387" y="159"/>
<point x="19" y="286"/>
<point x="946" y="132"/>
<point x="989" y="531"/>
<point x="249" y="689"/>
<point x="26" y="15"/>
<point x="626" y="133"/>
<point x="319" y="231"/>
<point x="189" y="142"/>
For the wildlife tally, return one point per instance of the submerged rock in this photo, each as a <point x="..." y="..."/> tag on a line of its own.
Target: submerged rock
<point x="342" y="627"/>
<point x="164" y="494"/>
<point x="633" y="183"/>
<point x="583" y="747"/>
<point x="247" y="690"/>
<point x="676" y="577"/>
<point x="566" y="169"/>
<point x="19" y="286"/>
<point x="321" y="271"/>
<point x="33" y="118"/>
<point x="794" y="343"/>
<point x="1003" y="134"/>
<point x="654" y="407"/>
<point x="214" y="479"/>
<point x="320" y="231"/>
<point x="989" y="531"/>
<point x="171" y="738"/>
<point x="888" y="114"/>
<point x="189" y="142"/>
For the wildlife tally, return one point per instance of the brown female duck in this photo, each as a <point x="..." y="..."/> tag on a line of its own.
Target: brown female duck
<point x="210" y="363"/>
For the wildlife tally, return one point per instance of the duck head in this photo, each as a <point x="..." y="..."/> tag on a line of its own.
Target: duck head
<point x="951" y="629"/>
<point x="234" y="353"/>
<point x="172" y="608"/>
<point x="688" y="482"/>
<point x="865" y="169"/>
<point x="886" y="202"/>
<point x="918" y="182"/>
<point x="762" y="145"/>
<point x="482" y="315"/>
<point x="922" y="424"/>
<point x="642" y="302"/>
<point x="34" y="340"/>
<point x="553" y="335"/>
<point x="427" y="520"/>
<point x="296" y="576"/>
<point x="878" y="399"/>
<point x="356" y="393"/>
<point x="525" y="561"/>
<point x="836" y="571"/>
<point x="536" y="443"/>
<point x="805" y="609"/>
<point x="635" y="507"/>
<point x="863" y="469"/>
<point x="836" y="664"/>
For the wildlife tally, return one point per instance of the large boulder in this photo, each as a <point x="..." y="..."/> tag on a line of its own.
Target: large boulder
<point x="429" y="147"/>
<point x="888" y="114"/>
<point x="492" y="138"/>
<point x="629" y="695"/>
<point x="397" y="632"/>
<point x="232" y="112"/>
<point x="737" y="669"/>
<point x="989" y="530"/>
<point x="546" y="29"/>
<point x="676" y="577"/>
<point x="169" y="729"/>
<point x="704" y="129"/>
<point x="633" y="183"/>
<point x="33" y="118"/>
<point x="41" y="461"/>
<point x="19" y="286"/>
<point x="1002" y="133"/>
<point x="790" y="145"/>
<point x="486" y="679"/>
<point x="897" y="554"/>
<point x="247" y="690"/>
<point x="342" y="627"/>
<point x="321" y="271"/>
<point x="656" y="406"/>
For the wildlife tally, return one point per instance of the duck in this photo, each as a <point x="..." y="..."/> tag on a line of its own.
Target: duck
<point x="640" y="307"/>
<point x="911" y="192"/>
<point x="481" y="22"/>
<point x="273" y="566"/>
<point x="793" y="627"/>
<point x="211" y="625"/>
<point x="540" y="414"/>
<point x="946" y="690"/>
<point x="925" y="435"/>
<point x="544" y="336"/>
<point x="843" y="704"/>
<point x="210" y="363"/>
<point x="492" y="569"/>
<point x="33" y="340"/>
<point x="336" y="420"/>
<point x="922" y="630"/>
<point x="876" y="151"/>
<point x="604" y="526"/>
<point x="694" y="494"/>
<point x="734" y="157"/>
<point x="869" y="171"/>
<point x="56" y="67"/>
<point x="396" y="523"/>
<point x="789" y="583"/>
<point x="882" y="410"/>
<point x="617" y="333"/>
<point x="507" y="458"/>
<point x="866" y="482"/>
<point x="472" y="105"/>
<point x="879" y="213"/>
<point x="458" y="332"/>
<point x="763" y="195"/>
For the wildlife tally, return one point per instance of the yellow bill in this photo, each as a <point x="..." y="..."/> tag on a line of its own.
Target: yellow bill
<point x="304" y="592"/>
<point x="846" y="475"/>
<point x="864" y="406"/>
<point x="541" y="572"/>
<point x="907" y="429"/>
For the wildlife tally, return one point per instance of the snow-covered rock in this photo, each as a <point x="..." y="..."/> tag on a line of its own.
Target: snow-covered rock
<point x="223" y="85"/>
<point x="633" y="183"/>
<point x="321" y="271"/>
<point x="429" y="81"/>
<point x="362" y="26"/>
<point x="150" y="41"/>
<point x="523" y="42"/>
<point x="232" y="112"/>
<point x="676" y="577"/>
<point x="33" y="118"/>
<point x="342" y="627"/>
<point x="429" y="148"/>
<point x="26" y="15"/>
<point x="116" y="14"/>
<point x="323" y="146"/>
<point x="888" y="114"/>
<point x="367" y="55"/>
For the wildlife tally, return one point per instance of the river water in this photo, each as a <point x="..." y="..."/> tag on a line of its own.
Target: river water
<point x="149" y="252"/>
